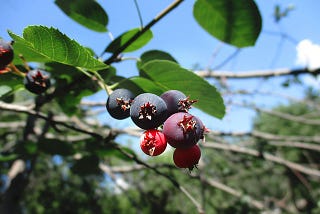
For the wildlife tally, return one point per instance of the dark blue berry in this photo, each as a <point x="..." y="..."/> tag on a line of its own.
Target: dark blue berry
<point x="6" y="54"/>
<point x="37" y="81"/>
<point x="148" y="111"/>
<point x="176" y="101"/>
<point x="119" y="103"/>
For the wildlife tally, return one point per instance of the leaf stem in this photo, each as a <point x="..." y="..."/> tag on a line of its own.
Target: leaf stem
<point x="168" y="9"/>
<point x="139" y="13"/>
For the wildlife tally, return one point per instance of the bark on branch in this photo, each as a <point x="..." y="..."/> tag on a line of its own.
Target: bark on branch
<point x="256" y="73"/>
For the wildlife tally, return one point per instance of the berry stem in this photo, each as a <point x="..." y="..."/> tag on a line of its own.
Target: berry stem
<point x="99" y="79"/>
<point x="15" y="70"/>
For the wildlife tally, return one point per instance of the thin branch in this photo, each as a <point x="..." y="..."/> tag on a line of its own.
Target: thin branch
<point x="267" y="136"/>
<point x="21" y="109"/>
<point x="255" y="203"/>
<point x="257" y="73"/>
<point x="286" y="116"/>
<point x="173" y="181"/>
<point x="142" y="31"/>
<point x="299" y="145"/>
<point x="29" y="111"/>
<point x="266" y="156"/>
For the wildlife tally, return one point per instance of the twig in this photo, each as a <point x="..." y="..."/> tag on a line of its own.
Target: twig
<point x="257" y="73"/>
<point x="267" y="136"/>
<point x="266" y="156"/>
<point x="142" y="31"/>
<point x="173" y="181"/>
<point x="257" y="204"/>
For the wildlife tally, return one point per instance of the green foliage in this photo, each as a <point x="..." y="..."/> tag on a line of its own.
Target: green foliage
<point x="48" y="44"/>
<point x="236" y="22"/>
<point x="55" y="124"/>
<point x="169" y="75"/>
<point x="125" y="37"/>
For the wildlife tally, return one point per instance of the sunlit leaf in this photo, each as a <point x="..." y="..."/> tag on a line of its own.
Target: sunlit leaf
<point x="125" y="37"/>
<point x="236" y="22"/>
<point x="49" y="44"/>
<point x="88" y="13"/>
<point x="169" y="75"/>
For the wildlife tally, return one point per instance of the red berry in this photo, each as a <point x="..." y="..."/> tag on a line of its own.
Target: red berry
<point x="153" y="142"/>
<point x="187" y="157"/>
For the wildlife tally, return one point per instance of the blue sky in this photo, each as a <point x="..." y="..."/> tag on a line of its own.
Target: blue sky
<point x="180" y="35"/>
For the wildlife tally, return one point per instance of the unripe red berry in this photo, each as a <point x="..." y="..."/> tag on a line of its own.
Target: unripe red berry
<point x="153" y="142"/>
<point x="187" y="157"/>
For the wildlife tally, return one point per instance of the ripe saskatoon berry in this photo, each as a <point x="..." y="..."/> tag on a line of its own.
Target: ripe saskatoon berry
<point x="148" y="111"/>
<point x="119" y="103"/>
<point x="153" y="142"/>
<point x="6" y="54"/>
<point x="182" y="130"/>
<point x="37" y="81"/>
<point x="187" y="157"/>
<point x="176" y="101"/>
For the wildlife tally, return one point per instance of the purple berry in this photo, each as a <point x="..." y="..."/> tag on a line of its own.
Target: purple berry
<point x="176" y="101"/>
<point x="6" y="54"/>
<point x="37" y="81"/>
<point x="182" y="130"/>
<point x="119" y="103"/>
<point x="148" y="111"/>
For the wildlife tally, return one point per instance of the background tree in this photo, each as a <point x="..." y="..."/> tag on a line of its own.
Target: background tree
<point x="57" y="157"/>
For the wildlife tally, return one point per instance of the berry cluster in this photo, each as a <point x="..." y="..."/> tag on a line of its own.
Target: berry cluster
<point x="165" y="120"/>
<point x="36" y="81"/>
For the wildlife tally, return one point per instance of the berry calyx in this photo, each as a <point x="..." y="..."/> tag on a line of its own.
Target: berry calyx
<point x="153" y="142"/>
<point x="187" y="123"/>
<point x="182" y="130"/>
<point x="185" y="104"/>
<point x="37" y="81"/>
<point x="6" y="54"/>
<point x="187" y="157"/>
<point x="148" y="111"/>
<point x="119" y="103"/>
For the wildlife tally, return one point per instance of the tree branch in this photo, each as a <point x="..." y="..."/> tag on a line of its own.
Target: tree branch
<point x="142" y="31"/>
<point x="256" y="74"/>
<point x="266" y="156"/>
<point x="267" y="136"/>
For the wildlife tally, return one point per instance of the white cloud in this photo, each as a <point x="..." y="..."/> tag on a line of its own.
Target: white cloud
<point x="308" y="54"/>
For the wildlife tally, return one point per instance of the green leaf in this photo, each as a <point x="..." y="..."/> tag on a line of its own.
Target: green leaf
<point x="236" y="22"/>
<point x="169" y="75"/>
<point x="4" y="89"/>
<point x="87" y="165"/>
<point x="153" y="55"/>
<point x="56" y="147"/>
<point x="88" y="13"/>
<point x="11" y="81"/>
<point x="139" y="85"/>
<point x="49" y="44"/>
<point x="5" y="158"/>
<point x="123" y="38"/>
